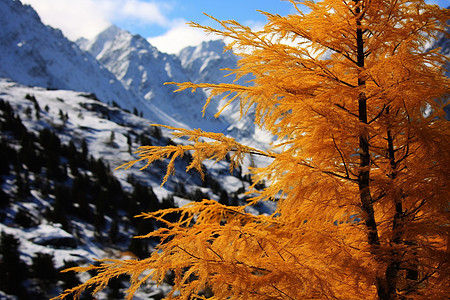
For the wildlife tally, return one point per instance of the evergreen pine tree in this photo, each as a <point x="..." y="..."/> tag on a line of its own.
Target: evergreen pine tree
<point x="43" y="268"/>
<point x="13" y="271"/>
<point x="69" y="279"/>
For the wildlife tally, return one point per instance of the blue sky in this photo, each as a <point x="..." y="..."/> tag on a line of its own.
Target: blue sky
<point x="162" y="22"/>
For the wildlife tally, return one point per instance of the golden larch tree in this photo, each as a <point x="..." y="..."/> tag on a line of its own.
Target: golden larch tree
<point x="360" y="170"/>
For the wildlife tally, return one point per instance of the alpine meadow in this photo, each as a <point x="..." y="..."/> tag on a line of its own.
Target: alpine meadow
<point x="360" y="169"/>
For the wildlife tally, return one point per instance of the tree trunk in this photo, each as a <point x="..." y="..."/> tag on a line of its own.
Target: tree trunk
<point x="385" y="284"/>
<point x="364" y="155"/>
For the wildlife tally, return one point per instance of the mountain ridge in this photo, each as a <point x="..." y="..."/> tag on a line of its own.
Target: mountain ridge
<point x="145" y="70"/>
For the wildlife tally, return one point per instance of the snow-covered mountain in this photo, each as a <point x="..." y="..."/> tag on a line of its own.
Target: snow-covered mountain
<point x="120" y="68"/>
<point x="38" y="55"/>
<point x="144" y="70"/>
<point x="207" y="62"/>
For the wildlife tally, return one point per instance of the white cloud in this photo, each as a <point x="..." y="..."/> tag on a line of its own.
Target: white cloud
<point x="254" y="25"/>
<point x="75" y="18"/>
<point x="178" y="37"/>
<point x="86" y="18"/>
<point x="144" y="12"/>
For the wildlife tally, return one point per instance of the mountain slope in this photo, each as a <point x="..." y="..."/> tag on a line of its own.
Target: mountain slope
<point x="60" y="200"/>
<point x="208" y="62"/>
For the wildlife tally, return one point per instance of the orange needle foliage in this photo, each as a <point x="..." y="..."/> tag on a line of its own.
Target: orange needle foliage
<point x="360" y="174"/>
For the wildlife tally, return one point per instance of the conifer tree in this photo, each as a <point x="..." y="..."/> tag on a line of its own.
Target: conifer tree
<point x="12" y="270"/>
<point x="359" y="172"/>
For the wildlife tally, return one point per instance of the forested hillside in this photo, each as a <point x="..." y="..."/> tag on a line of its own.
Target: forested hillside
<point x="61" y="203"/>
